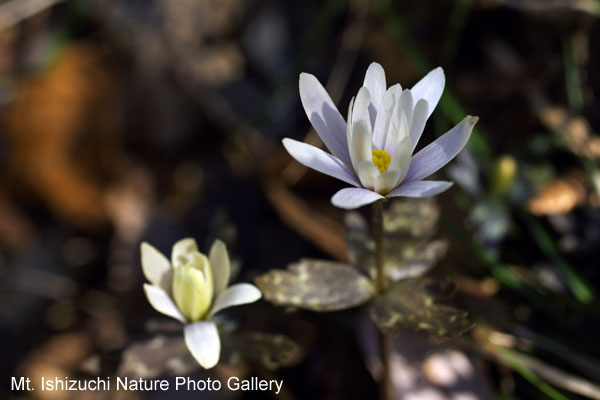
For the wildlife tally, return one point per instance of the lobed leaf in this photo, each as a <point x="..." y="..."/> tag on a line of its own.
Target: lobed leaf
<point x="159" y="356"/>
<point x="415" y="218"/>
<point x="316" y="285"/>
<point x="268" y="350"/>
<point x="408" y="250"/>
<point x="411" y="305"/>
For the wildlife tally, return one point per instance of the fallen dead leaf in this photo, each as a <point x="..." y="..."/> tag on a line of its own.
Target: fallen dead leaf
<point x="560" y="195"/>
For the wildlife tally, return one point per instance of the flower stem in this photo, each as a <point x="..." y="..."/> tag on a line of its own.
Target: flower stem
<point x="386" y="391"/>
<point x="378" y="238"/>
<point x="385" y="340"/>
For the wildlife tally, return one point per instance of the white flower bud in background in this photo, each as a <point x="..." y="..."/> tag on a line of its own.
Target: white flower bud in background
<point x="192" y="288"/>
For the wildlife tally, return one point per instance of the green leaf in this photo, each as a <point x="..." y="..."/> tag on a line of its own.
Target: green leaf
<point x="270" y="351"/>
<point x="411" y="305"/>
<point x="316" y="285"/>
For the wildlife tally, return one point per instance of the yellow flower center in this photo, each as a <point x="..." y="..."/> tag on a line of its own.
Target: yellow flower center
<point x="381" y="159"/>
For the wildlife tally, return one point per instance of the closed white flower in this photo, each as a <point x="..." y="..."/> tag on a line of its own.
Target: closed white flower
<point x="373" y="149"/>
<point x="192" y="288"/>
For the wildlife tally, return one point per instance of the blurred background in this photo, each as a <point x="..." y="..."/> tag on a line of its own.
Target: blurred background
<point x="126" y="121"/>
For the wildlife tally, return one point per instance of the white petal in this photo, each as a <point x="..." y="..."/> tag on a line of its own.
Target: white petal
<point x="401" y="158"/>
<point x="202" y="339"/>
<point x="220" y="265"/>
<point x="317" y="159"/>
<point x="156" y="267"/>
<point x="395" y="135"/>
<point x="417" y="124"/>
<point x="405" y="105"/>
<point x="367" y="173"/>
<point x="403" y="130"/>
<point x="375" y="82"/>
<point x="242" y="293"/>
<point x="380" y="132"/>
<point x="387" y="181"/>
<point x="361" y="145"/>
<point x="420" y="189"/>
<point x="430" y="88"/>
<point x="390" y="137"/>
<point x="351" y="198"/>
<point x="392" y="97"/>
<point x="324" y="116"/>
<point x="182" y="251"/>
<point x="349" y="124"/>
<point x="438" y="153"/>
<point x="360" y="111"/>
<point x="161" y="302"/>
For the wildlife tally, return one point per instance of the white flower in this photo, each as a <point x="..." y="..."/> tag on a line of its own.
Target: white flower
<point x="373" y="149"/>
<point x="192" y="289"/>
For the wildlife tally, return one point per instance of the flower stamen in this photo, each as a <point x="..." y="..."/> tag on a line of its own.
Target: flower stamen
<point x="381" y="159"/>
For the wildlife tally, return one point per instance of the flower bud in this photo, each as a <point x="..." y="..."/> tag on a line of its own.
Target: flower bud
<point x="193" y="287"/>
<point x="505" y="172"/>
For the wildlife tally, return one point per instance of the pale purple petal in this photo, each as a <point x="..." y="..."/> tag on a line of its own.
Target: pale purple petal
<point x="202" y="340"/>
<point x="319" y="160"/>
<point x="420" y="189"/>
<point x="351" y="198"/>
<point x="324" y="116"/>
<point x="430" y="88"/>
<point x="438" y="153"/>
<point x="375" y="82"/>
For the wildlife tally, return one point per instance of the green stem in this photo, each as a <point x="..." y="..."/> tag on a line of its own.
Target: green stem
<point x="385" y="340"/>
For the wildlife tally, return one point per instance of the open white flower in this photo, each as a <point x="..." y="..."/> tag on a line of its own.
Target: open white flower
<point x="192" y="288"/>
<point x="373" y="149"/>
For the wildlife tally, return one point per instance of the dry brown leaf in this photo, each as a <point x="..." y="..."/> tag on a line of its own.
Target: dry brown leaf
<point x="576" y="130"/>
<point x="62" y="133"/>
<point x="560" y="195"/>
<point x="58" y="357"/>
<point x="484" y="288"/>
<point x="15" y="230"/>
